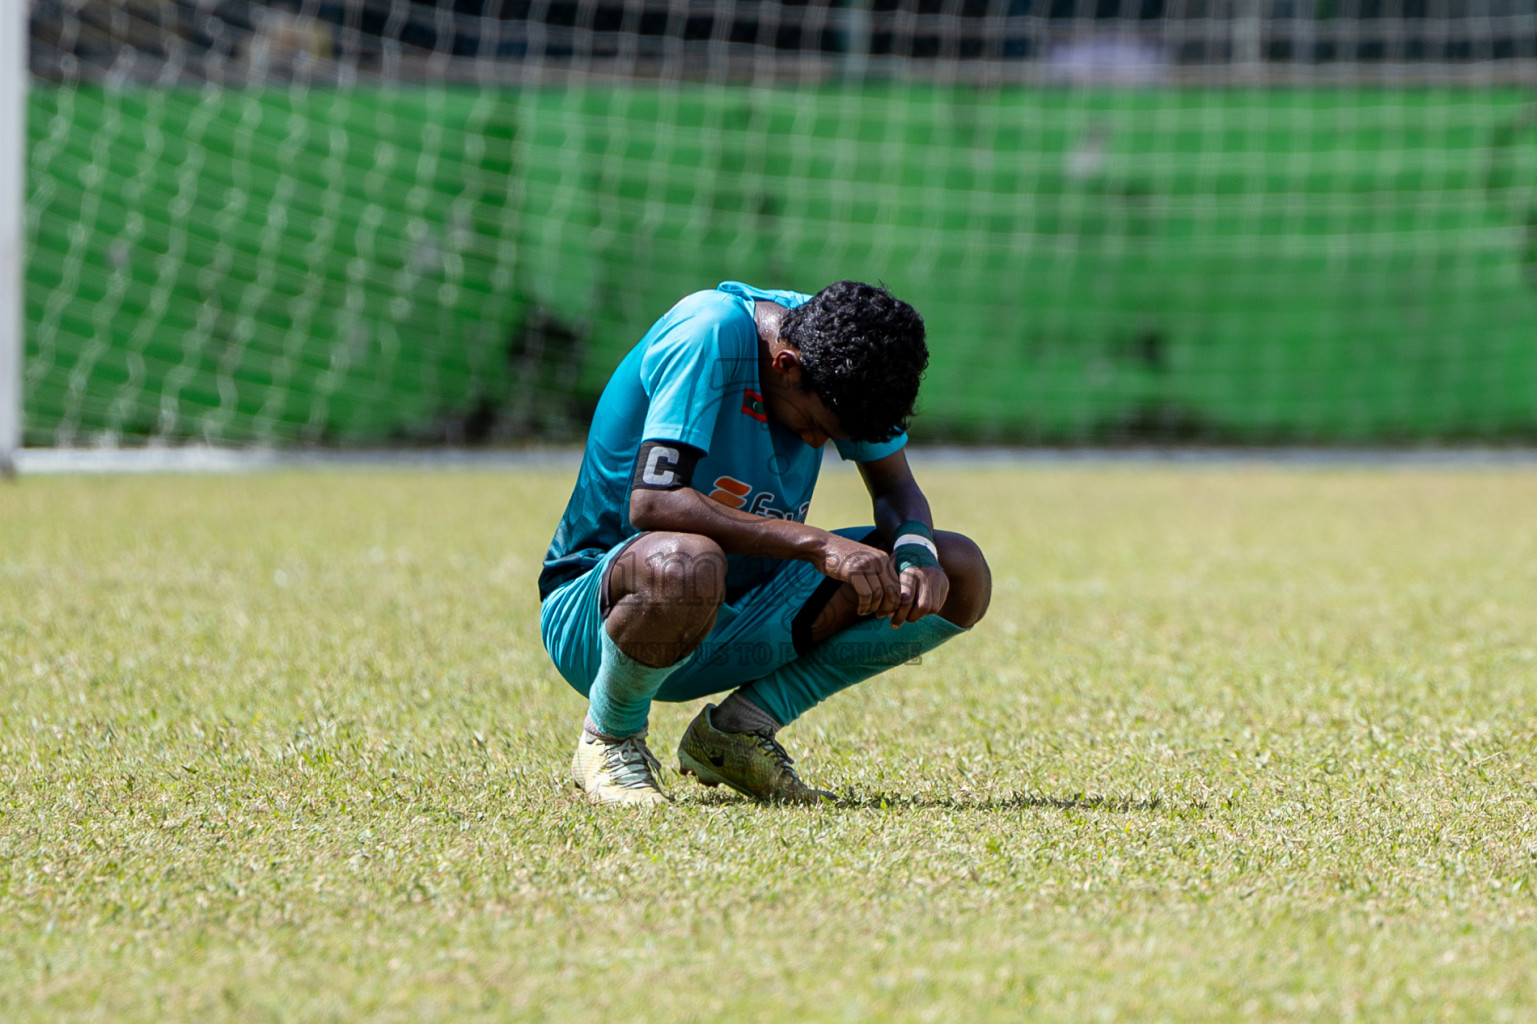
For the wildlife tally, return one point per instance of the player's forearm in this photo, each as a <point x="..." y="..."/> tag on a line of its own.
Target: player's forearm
<point x="738" y="533"/>
<point x="901" y="505"/>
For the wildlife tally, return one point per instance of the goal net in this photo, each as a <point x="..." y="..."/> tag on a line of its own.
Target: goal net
<point x="395" y="222"/>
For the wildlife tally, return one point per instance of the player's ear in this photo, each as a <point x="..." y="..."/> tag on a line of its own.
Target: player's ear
<point x="787" y="363"/>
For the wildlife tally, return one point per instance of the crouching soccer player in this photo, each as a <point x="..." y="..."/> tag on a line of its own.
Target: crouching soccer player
<point x="683" y="566"/>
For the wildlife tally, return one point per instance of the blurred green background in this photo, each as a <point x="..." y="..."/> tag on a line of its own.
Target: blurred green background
<point x="394" y="265"/>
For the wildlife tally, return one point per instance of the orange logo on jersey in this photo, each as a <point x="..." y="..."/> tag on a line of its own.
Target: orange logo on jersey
<point x="731" y="491"/>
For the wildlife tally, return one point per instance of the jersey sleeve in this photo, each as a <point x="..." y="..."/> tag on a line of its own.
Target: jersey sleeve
<point x="689" y="371"/>
<point x="861" y="451"/>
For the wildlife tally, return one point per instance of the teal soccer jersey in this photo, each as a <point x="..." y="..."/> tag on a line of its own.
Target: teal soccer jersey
<point x="693" y="379"/>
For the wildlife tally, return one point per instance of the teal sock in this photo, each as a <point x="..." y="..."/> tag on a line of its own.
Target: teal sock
<point x="845" y="658"/>
<point x="620" y="698"/>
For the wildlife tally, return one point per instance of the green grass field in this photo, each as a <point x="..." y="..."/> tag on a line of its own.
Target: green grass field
<point x="1235" y="743"/>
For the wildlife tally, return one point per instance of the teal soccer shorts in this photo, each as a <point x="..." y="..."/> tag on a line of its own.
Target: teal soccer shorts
<point x="755" y="632"/>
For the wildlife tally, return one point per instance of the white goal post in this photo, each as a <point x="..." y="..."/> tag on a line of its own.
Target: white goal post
<point x="13" y="148"/>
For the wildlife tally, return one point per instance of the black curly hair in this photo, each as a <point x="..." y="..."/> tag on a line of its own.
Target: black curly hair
<point x="862" y="353"/>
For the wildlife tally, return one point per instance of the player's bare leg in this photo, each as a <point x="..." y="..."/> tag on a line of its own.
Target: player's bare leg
<point x="735" y="744"/>
<point x="663" y="594"/>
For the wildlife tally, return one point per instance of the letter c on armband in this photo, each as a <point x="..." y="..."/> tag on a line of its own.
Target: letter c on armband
<point x="660" y="463"/>
<point x="665" y="466"/>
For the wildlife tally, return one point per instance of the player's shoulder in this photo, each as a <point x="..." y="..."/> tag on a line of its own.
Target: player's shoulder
<point x="710" y="305"/>
<point x="703" y="322"/>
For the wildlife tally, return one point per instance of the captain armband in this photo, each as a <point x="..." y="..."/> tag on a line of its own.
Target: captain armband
<point x="665" y="466"/>
<point x="914" y="546"/>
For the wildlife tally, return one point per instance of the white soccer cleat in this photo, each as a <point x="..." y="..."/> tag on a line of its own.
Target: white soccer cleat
<point x="620" y="772"/>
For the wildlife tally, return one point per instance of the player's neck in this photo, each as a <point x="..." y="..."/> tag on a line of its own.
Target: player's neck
<point x="767" y="317"/>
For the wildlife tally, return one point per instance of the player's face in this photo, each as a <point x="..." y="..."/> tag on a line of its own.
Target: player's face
<point x="804" y="415"/>
<point x="798" y="410"/>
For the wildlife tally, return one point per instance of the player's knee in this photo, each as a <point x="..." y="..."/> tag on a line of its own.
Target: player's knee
<point x="685" y="570"/>
<point x="971" y="581"/>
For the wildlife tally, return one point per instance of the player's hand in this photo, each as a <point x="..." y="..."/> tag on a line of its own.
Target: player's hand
<point x="923" y="592"/>
<point x="868" y="570"/>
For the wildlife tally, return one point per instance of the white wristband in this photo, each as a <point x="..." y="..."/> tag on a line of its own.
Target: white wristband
<point x="913" y="538"/>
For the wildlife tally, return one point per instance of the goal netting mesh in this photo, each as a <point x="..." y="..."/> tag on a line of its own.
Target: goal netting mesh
<point x="395" y="222"/>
